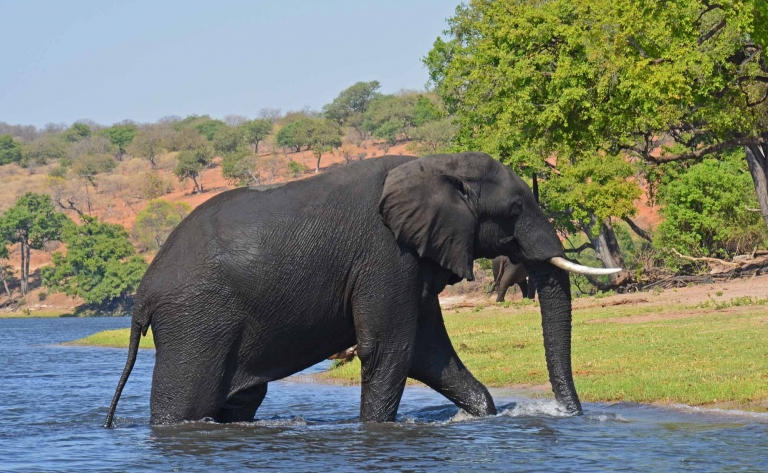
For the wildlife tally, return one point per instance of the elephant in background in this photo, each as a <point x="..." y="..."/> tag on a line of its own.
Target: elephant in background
<point x="507" y="273"/>
<point x="371" y="245"/>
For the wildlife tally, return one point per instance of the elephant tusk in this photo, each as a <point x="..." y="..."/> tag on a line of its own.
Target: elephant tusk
<point x="563" y="263"/>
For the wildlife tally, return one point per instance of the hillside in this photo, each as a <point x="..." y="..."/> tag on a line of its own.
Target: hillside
<point x="114" y="200"/>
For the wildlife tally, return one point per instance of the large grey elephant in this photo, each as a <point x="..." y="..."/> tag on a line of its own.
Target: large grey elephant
<point x="371" y="245"/>
<point x="506" y="274"/>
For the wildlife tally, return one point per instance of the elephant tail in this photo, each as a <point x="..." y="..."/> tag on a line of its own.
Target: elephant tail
<point x="133" y="348"/>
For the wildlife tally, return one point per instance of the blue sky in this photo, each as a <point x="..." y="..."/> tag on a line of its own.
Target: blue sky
<point x="141" y="60"/>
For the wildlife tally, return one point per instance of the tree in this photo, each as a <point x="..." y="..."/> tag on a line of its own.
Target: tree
<point x="121" y="136"/>
<point x="228" y="140"/>
<point x="707" y="209"/>
<point x="101" y="265"/>
<point x="324" y="136"/>
<point x="10" y="150"/>
<point x="149" y="143"/>
<point x="32" y="222"/>
<point x="246" y="169"/>
<point x="235" y="120"/>
<point x="349" y="107"/>
<point x="76" y="132"/>
<point x="42" y="151"/>
<point x="662" y="81"/>
<point x="254" y="131"/>
<point x="185" y="139"/>
<point x="295" y="135"/>
<point x="5" y="270"/>
<point x="390" y="116"/>
<point x="434" y="135"/>
<point x="88" y="166"/>
<point x="191" y="163"/>
<point x="211" y="128"/>
<point x="271" y="114"/>
<point x="157" y="221"/>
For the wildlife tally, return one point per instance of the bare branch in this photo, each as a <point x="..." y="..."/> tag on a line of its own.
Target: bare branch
<point x="709" y="8"/>
<point x="712" y="32"/>
<point x="700" y="153"/>
<point x="640" y="232"/>
<point x="580" y="249"/>
<point x="706" y="259"/>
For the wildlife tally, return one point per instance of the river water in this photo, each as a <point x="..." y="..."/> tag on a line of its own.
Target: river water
<point x="53" y="400"/>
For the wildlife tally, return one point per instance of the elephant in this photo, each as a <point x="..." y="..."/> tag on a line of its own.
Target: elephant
<point x="505" y="274"/>
<point x="370" y="245"/>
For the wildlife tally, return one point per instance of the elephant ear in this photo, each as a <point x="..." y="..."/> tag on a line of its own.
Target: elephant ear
<point x="433" y="213"/>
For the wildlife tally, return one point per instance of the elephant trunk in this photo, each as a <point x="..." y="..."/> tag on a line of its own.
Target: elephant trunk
<point x="554" y="288"/>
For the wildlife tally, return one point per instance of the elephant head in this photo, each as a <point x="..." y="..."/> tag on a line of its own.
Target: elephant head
<point x="455" y="208"/>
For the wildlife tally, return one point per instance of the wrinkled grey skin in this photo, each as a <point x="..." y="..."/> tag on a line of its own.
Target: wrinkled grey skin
<point x="507" y="273"/>
<point x="371" y="245"/>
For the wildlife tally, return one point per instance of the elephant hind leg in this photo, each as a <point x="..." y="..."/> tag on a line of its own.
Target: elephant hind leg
<point x="242" y="404"/>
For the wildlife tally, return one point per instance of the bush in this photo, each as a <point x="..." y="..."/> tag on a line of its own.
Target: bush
<point x="706" y="210"/>
<point x="296" y="168"/>
<point x="157" y="221"/>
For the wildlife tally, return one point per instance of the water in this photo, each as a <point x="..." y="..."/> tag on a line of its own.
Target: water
<point x="53" y="400"/>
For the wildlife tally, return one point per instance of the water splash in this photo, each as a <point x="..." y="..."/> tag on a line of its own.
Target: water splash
<point x="535" y="408"/>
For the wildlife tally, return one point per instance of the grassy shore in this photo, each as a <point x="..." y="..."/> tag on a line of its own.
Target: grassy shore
<point x="694" y="356"/>
<point x="113" y="339"/>
<point x="36" y="314"/>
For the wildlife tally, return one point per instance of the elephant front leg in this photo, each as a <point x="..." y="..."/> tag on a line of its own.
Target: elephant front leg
<point x="436" y="364"/>
<point x="386" y="331"/>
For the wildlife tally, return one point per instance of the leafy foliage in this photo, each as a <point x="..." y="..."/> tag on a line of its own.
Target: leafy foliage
<point x="349" y="107"/>
<point x="100" y="266"/>
<point x="76" y="132"/>
<point x="706" y="210"/>
<point x="121" y="136"/>
<point x="528" y="79"/>
<point x="10" y="150"/>
<point x="33" y="220"/>
<point x="191" y="163"/>
<point x="255" y="131"/>
<point x="434" y="136"/>
<point x="42" y="151"/>
<point x="157" y="220"/>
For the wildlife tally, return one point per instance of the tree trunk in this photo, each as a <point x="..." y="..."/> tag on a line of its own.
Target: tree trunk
<point x="5" y="283"/>
<point x="23" y="278"/>
<point x="26" y="269"/>
<point x="535" y="187"/>
<point x="757" y="158"/>
<point x="198" y="187"/>
<point x="317" y="167"/>
<point x="608" y="251"/>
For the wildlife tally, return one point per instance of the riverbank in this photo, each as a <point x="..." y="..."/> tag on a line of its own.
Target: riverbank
<point x="714" y="353"/>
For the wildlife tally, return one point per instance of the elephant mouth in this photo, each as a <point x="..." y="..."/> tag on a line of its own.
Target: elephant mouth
<point x="566" y="265"/>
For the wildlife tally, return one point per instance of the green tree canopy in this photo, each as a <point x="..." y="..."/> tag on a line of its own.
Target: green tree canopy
<point x="157" y="220"/>
<point x="149" y="143"/>
<point x="32" y="222"/>
<point x="101" y="265"/>
<point x="391" y="117"/>
<point x="324" y="136"/>
<point x="296" y="134"/>
<point x="121" y="136"/>
<point x="42" y="151"/>
<point x="76" y="132"/>
<point x="349" y="107"/>
<point x="706" y="209"/>
<point x="191" y="163"/>
<point x="529" y="79"/>
<point x="255" y="131"/>
<point x="10" y="150"/>
<point x="228" y="141"/>
<point x="434" y="136"/>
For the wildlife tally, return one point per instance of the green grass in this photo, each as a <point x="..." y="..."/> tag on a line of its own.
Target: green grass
<point x="713" y="356"/>
<point x="718" y="357"/>
<point x="114" y="338"/>
<point x="36" y="314"/>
